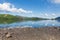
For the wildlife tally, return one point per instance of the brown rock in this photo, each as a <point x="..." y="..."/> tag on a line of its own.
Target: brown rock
<point x="8" y="35"/>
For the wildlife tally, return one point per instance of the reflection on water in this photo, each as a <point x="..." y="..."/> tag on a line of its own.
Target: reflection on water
<point x="41" y="23"/>
<point x="58" y="20"/>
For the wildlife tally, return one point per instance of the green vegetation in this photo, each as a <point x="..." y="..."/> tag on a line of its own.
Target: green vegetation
<point x="34" y="18"/>
<point x="7" y="18"/>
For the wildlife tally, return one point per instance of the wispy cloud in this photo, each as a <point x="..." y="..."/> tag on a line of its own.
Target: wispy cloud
<point x="56" y="1"/>
<point x="11" y="8"/>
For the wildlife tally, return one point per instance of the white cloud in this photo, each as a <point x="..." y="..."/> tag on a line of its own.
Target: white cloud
<point x="55" y="1"/>
<point x="11" y="8"/>
<point x="54" y="14"/>
<point x="46" y="14"/>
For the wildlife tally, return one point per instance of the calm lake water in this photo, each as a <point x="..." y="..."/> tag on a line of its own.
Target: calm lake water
<point x="34" y="24"/>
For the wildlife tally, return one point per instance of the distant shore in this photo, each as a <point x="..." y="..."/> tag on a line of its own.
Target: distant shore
<point x="45" y="33"/>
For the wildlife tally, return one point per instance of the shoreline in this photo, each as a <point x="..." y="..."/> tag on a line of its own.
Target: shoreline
<point x="45" y="33"/>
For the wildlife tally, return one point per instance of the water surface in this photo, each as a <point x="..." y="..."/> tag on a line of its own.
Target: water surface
<point x="34" y="24"/>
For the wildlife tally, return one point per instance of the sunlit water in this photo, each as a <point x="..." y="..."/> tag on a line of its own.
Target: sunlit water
<point x="34" y="24"/>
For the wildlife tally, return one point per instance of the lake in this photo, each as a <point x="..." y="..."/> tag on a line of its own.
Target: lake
<point x="34" y="24"/>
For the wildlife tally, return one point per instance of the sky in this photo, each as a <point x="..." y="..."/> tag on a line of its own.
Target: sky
<point x="31" y="8"/>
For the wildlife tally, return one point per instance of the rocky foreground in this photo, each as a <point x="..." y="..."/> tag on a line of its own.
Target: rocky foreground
<point x="47" y="33"/>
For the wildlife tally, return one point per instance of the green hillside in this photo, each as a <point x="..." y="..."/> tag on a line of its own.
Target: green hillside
<point x="9" y="18"/>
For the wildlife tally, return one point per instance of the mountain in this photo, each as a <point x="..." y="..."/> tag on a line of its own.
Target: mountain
<point x="8" y="17"/>
<point x="58" y="18"/>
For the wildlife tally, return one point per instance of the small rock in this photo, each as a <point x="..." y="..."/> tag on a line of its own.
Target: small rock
<point x="8" y="35"/>
<point x="58" y="28"/>
<point x="24" y="29"/>
<point x="55" y="27"/>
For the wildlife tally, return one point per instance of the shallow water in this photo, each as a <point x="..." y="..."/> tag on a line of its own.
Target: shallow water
<point x="34" y="24"/>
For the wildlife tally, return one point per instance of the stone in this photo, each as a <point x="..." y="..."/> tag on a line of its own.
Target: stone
<point x="8" y="35"/>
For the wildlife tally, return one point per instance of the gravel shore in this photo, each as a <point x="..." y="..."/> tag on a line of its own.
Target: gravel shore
<point x="47" y="33"/>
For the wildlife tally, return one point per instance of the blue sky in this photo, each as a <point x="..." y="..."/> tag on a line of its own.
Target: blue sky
<point x="36" y="8"/>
